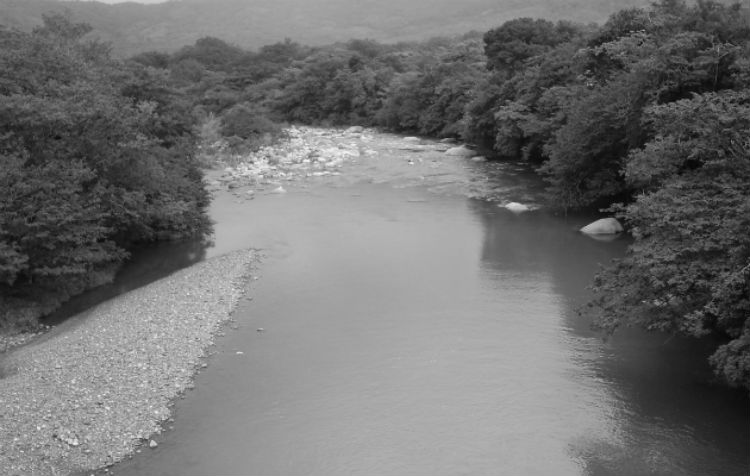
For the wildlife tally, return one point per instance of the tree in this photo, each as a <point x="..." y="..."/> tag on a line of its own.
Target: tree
<point x="508" y="46"/>
<point x="96" y="159"/>
<point x="689" y="268"/>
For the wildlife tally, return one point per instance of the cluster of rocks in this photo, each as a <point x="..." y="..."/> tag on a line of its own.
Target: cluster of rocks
<point x="306" y="152"/>
<point x="310" y="152"/>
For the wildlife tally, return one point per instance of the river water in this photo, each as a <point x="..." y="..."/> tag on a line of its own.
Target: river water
<point x="411" y="326"/>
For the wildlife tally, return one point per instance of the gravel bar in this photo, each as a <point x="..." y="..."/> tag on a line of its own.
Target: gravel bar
<point x="88" y="397"/>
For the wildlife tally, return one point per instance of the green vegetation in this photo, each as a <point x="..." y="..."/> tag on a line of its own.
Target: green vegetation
<point x="647" y="115"/>
<point x="97" y="156"/>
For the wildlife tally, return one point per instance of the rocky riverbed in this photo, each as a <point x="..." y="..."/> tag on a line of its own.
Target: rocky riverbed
<point x="343" y="157"/>
<point x="88" y="397"/>
<point x="312" y="152"/>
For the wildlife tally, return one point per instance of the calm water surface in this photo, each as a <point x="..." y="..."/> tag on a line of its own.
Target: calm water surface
<point x="412" y="327"/>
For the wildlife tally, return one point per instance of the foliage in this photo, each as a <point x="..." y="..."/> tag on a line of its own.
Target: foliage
<point x="510" y="45"/>
<point x="432" y="100"/>
<point x="96" y="156"/>
<point x="689" y="269"/>
<point x="249" y="125"/>
<point x="331" y="86"/>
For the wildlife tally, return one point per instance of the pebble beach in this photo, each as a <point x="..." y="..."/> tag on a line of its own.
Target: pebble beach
<point x="91" y="396"/>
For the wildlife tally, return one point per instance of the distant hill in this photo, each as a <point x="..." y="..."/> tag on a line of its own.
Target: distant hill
<point x="133" y="27"/>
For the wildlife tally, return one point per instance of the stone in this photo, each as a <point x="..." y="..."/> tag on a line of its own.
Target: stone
<point x="605" y="226"/>
<point x="152" y="444"/>
<point x="412" y="139"/>
<point x="279" y="189"/>
<point x="448" y="140"/>
<point x="516" y="207"/>
<point x="354" y="130"/>
<point x="479" y="158"/>
<point x="460" y="151"/>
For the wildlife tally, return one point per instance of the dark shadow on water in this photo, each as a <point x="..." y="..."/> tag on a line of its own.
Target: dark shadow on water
<point x="670" y="414"/>
<point x="146" y="265"/>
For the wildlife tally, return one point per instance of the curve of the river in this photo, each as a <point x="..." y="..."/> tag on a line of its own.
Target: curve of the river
<point x="412" y="326"/>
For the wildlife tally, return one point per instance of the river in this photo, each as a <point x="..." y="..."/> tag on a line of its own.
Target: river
<point x="411" y="326"/>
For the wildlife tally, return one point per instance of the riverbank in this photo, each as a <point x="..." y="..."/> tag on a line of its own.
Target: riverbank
<point x="90" y="396"/>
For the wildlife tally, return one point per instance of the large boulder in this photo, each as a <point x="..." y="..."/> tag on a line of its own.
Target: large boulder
<point x="516" y="207"/>
<point x="605" y="226"/>
<point x="460" y="151"/>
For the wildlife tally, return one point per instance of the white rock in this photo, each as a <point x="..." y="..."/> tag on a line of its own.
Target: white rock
<point x="279" y="189"/>
<point x="354" y="130"/>
<point x="516" y="207"/>
<point x="479" y="158"/>
<point x="152" y="444"/>
<point x="605" y="226"/>
<point x="460" y="151"/>
<point x="413" y="140"/>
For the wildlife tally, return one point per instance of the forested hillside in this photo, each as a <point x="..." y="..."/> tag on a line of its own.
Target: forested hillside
<point x="133" y="28"/>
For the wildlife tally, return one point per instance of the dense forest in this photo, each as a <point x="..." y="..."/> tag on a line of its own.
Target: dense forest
<point x="646" y="116"/>
<point x="97" y="155"/>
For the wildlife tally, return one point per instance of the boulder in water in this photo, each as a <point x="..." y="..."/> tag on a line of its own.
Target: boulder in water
<point x="460" y="151"/>
<point x="412" y="140"/>
<point x="516" y="207"/>
<point x="605" y="226"/>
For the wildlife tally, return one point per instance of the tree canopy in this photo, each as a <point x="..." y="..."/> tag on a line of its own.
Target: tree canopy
<point x="96" y="157"/>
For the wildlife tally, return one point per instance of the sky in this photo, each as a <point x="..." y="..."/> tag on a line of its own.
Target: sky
<point x="136" y="1"/>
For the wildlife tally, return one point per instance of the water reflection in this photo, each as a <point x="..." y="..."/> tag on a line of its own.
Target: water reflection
<point x="661" y="409"/>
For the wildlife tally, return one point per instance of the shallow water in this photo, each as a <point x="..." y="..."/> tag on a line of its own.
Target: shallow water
<point x="411" y="326"/>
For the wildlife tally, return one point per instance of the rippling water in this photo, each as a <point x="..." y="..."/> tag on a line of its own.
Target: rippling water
<point x="414" y="327"/>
